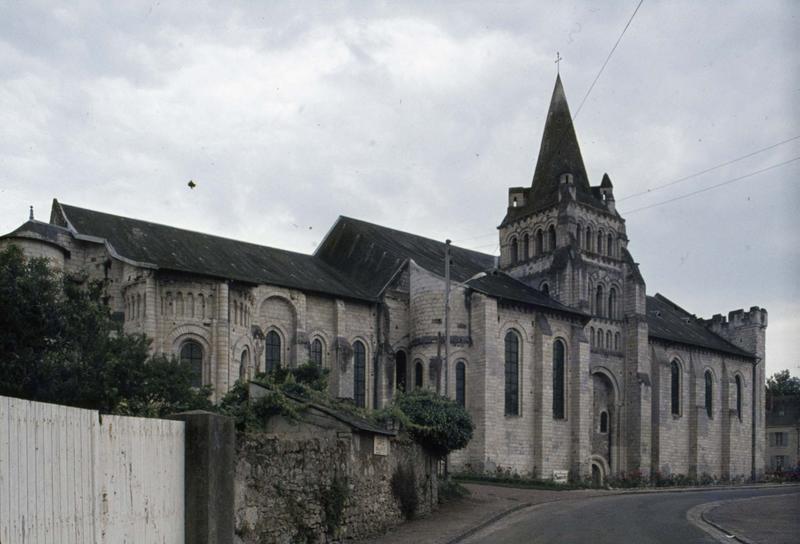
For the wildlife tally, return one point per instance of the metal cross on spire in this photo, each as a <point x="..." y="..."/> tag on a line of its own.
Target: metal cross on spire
<point x="559" y="58"/>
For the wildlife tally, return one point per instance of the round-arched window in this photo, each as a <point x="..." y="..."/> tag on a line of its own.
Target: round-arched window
<point x="272" y="352"/>
<point x="192" y="354"/>
<point x="316" y="352"/>
<point x="359" y="374"/>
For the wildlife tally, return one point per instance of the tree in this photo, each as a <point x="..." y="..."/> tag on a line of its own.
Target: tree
<point x="438" y="423"/>
<point x="783" y="384"/>
<point x="59" y="343"/>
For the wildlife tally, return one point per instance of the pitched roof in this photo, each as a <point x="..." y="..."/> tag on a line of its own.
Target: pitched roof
<point x="668" y="321"/>
<point x="502" y="286"/>
<point x="182" y="250"/>
<point x="371" y="254"/>
<point x="559" y="153"/>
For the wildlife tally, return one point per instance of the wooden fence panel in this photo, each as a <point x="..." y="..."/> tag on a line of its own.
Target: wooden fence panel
<point x="69" y="476"/>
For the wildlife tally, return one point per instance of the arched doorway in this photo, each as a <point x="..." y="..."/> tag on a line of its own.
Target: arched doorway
<point x="597" y="475"/>
<point x="604" y="431"/>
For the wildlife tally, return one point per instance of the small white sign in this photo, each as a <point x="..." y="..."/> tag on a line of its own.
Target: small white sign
<point x="380" y="445"/>
<point x="561" y="476"/>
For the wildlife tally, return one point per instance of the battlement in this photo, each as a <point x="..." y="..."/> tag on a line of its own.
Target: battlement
<point x="737" y="319"/>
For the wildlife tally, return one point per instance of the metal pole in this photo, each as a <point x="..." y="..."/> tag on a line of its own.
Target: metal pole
<point x="446" y="318"/>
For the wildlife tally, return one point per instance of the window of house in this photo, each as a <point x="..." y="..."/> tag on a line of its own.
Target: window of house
<point x="598" y="301"/>
<point x="603" y="421"/>
<point x="608" y="339"/>
<point x="243" y="364"/>
<point x="551" y="238"/>
<point x="400" y="370"/>
<point x="359" y="374"/>
<point x="316" y="352"/>
<point x="559" y="355"/>
<point x="780" y="439"/>
<point x="461" y="383"/>
<point x="600" y="242"/>
<point x="675" y="388"/>
<point x="579" y="237"/>
<point x="612" y="303"/>
<point x="739" y="397"/>
<point x="192" y="353"/>
<point x="418" y="371"/>
<point x="512" y="374"/>
<point x="538" y="248"/>
<point x="272" y="351"/>
<point x="709" y="394"/>
<point x="526" y="246"/>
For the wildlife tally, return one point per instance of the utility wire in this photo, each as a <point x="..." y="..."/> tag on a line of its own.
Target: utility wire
<point x="687" y="195"/>
<point x="608" y="58"/>
<point x="707" y="170"/>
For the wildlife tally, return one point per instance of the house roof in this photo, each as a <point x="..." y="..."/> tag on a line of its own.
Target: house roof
<point x="182" y="250"/>
<point x="502" y="286"/>
<point x="37" y="230"/>
<point x="559" y="153"/>
<point x="371" y="254"/>
<point x="782" y="411"/>
<point x="668" y="321"/>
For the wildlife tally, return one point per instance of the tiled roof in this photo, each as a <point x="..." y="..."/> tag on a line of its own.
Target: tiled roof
<point x="38" y="230"/>
<point x="502" y="286"/>
<point x="668" y="321"/>
<point x="181" y="250"/>
<point x="371" y="254"/>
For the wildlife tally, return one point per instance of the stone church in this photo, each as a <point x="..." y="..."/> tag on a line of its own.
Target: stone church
<point x="555" y="349"/>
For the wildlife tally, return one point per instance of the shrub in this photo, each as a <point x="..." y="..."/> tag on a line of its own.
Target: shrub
<point x="333" y="499"/>
<point x="439" y="424"/>
<point x="404" y="489"/>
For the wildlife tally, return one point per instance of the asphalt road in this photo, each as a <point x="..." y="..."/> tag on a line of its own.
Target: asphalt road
<point x="639" y="518"/>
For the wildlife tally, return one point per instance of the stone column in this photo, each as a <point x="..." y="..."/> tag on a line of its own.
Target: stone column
<point x="222" y="339"/>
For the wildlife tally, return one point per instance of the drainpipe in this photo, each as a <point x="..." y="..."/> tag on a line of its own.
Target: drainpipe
<point x="753" y="422"/>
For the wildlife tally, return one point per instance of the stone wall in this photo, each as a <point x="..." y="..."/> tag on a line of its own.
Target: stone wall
<point x="286" y="488"/>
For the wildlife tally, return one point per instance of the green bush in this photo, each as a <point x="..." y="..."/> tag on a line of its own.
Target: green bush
<point x="404" y="489"/>
<point x="333" y="499"/>
<point x="439" y="424"/>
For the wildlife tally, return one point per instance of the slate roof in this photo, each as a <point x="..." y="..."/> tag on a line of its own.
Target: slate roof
<point x="559" y="153"/>
<point x="371" y="254"/>
<point x="37" y="230"/>
<point x="668" y="321"/>
<point x="783" y="411"/>
<point x="502" y="286"/>
<point x="181" y="250"/>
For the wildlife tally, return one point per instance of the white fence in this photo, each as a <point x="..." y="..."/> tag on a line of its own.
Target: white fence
<point x="68" y="476"/>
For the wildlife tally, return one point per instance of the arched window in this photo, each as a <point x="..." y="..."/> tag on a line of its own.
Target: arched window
<point x="514" y="250"/>
<point x="579" y="236"/>
<point x="739" y="397"/>
<point x="559" y="355"/>
<point x="616" y="341"/>
<point x="600" y="242"/>
<point x="192" y="354"/>
<point x="551" y="238"/>
<point x="418" y="371"/>
<point x="612" y="303"/>
<point x="675" y="388"/>
<point x="316" y="352"/>
<point x="608" y="340"/>
<point x="545" y="289"/>
<point x="539" y="243"/>
<point x="600" y="338"/>
<point x="243" y="364"/>
<point x="591" y="336"/>
<point x="709" y="394"/>
<point x="461" y="383"/>
<point x="598" y="301"/>
<point x="512" y="373"/>
<point x="359" y="374"/>
<point x="400" y="370"/>
<point x="603" y="421"/>
<point x="610" y="245"/>
<point x="588" y="238"/>
<point x="526" y="247"/>
<point x="272" y="352"/>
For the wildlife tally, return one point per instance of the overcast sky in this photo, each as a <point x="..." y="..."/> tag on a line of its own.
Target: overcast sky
<point x="418" y="116"/>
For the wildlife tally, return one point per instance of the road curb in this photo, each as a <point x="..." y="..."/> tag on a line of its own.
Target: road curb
<point x="706" y="519"/>
<point x="494" y="519"/>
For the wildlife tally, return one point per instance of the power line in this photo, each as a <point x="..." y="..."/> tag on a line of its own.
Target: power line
<point x="608" y="58"/>
<point x="687" y="195"/>
<point x="707" y="170"/>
